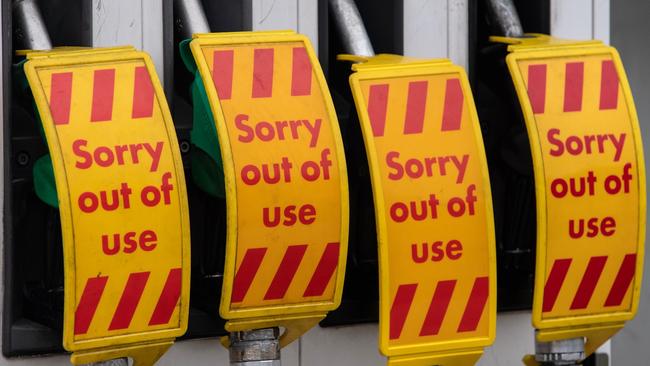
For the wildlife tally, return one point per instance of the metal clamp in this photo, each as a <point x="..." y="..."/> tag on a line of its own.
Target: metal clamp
<point x="259" y="347"/>
<point x="560" y="353"/>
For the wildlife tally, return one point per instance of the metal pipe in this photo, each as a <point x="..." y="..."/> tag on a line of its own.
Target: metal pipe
<point x="564" y="352"/>
<point x="29" y="27"/>
<point x="258" y="347"/>
<point x="351" y="28"/>
<point x="190" y="17"/>
<point x="504" y="18"/>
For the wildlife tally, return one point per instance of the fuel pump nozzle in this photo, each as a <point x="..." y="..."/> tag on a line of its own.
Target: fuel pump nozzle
<point x="351" y="28"/>
<point x="29" y="27"/>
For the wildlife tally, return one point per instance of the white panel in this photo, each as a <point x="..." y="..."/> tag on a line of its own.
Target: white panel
<point x="572" y="19"/>
<point x="425" y="28"/>
<point x="308" y="20"/>
<point x="436" y="29"/>
<point x="601" y="20"/>
<point x="515" y="338"/>
<point x="341" y="346"/>
<point x="117" y="23"/>
<point x="152" y="33"/>
<point x="274" y="14"/>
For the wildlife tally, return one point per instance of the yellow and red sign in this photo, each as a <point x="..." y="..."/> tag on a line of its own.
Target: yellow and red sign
<point x="122" y="200"/>
<point x="433" y="210"/>
<point x="285" y="176"/>
<point x="589" y="178"/>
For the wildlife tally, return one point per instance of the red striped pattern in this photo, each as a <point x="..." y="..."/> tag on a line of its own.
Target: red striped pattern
<point x="246" y="273"/>
<point x="60" y="97"/>
<point x="285" y="273"/>
<point x="222" y="70"/>
<point x="301" y="72"/>
<point x="168" y="298"/>
<point x="415" y="107"/>
<point x="537" y="87"/>
<point x="608" y="86"/>
<point x="453" y="111"/>
<point x="622" y="282"/>
<point x="377" y="106"/>
<point x="263" y="72"/>
<point x="129" y="300"/>
<point x="588" y="283"/>
<point x="573" y="85"/>
<point x="554" y="283"/>
<point x="143" y="94"/>
<point x="88" y="303"/>
<point x="438" y="308"/>
<point x="400" y="309"/>
<point x="103" y="91"/>
<point x="475" y="305"/>
<point x="324" y="271"/>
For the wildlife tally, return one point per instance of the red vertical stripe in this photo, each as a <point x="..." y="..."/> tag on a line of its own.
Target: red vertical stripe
<point x="573" y="85"/>
<point x="263" y="73"/>
<point x="438" y="308"/>
<point x="415" y="107"/>
<point x="324" y="271"/>
<point x="377" y="105"/>
<point x="286" y="271"/>
<point x="60" y="97"/>
<point x="453" y="106"/>
<point x="554" y="283"/>
<point x="475" y="305"/>
<point x="608" y="86"/>
<point x="588" y="282"/>
<point x="537" y="87"/>
<point x="301" y="72"/>
<point x="129" y="300"/>
<point x="246" y="273"/>
<point x="400" y="308"/>
<point x="103" y="91"/>
<point x="222" y="66"/>
<point x="168" y="298"/>
<point x="622" y="281"/>
<point x="88" y="303"/>
<point x="143" y="94"/>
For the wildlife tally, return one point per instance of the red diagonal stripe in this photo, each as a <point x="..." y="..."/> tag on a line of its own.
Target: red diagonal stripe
<point x="324" y="271"/>
<point x="263" y="72"/>
<point x="537" y="87"/>
<point x="222" y="66"/>
<point x="103" y="91"/>
<point x="453" y="111"/>
<point x="554" y="283"/>
<point x="377" y="105"/>
<point x="573" y="85"/>
<point x="588" y="282"/>
<point x="143" y="94"/>
<point x="300" y="72"/>
<point x="438" y="308"/>
<point x="246" y="273"/>
<point x="286" y="271"/>
<point x="129" y="300"/>
<point x="400" y="308"/>
<point x="608" y="86"/>
<point x="168" y="298"/>
<point x="415" y="106"/>
<point x="60" y="97"/>
<point x="622" y="282"/>
<point x="88" y="303"/>
<point x="475" y="305"/>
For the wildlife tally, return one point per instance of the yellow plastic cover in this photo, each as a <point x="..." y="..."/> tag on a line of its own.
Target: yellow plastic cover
<point x="433" y="210"/>
<point x="122" y="199"/>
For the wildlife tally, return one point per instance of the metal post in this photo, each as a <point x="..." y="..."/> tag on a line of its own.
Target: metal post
<point x="565" y="352"/>
<point x="29" y="27"/>
<point x="190" y="17"/>
<point x="259" y="347"/>
<point x="351" y="28"/>
<point x="504" y="18"/>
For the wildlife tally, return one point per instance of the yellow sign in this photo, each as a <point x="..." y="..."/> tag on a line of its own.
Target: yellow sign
<point x="433" y="210"/>
<point x="589" y="178"/>
<point x="122" y="199"/>
<point x="286" y="183"/>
